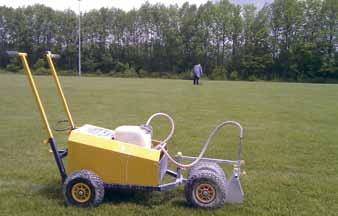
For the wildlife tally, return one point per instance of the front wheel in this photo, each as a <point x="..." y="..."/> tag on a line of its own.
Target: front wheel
<point x="83" y="189"/>
<point x="205" y="189"/>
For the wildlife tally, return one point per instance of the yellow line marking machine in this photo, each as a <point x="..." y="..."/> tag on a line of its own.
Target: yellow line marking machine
<point x="128" y="158"/>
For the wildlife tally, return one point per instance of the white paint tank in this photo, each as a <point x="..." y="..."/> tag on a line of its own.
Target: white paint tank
<point x="138" y="135"/>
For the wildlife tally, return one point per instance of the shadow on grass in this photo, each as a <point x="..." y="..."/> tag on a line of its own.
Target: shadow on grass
<point x="51" y="191"/>
<point x="139" y="197"/>
<point x="148" y="199"/>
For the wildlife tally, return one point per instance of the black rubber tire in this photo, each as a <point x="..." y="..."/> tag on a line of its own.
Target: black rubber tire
<point x="88" y="178"/>
<point x="213" y="180"/>
<point x="209" y="166"/>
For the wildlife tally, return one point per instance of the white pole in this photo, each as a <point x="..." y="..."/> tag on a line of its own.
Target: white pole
<point x="79" y="29"/>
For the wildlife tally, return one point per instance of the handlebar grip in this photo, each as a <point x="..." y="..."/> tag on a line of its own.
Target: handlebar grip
<point x="56" y="56"/>
<point x="12" y="53"/>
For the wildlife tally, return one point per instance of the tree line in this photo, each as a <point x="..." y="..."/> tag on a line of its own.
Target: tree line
<point x="292" y="40"/>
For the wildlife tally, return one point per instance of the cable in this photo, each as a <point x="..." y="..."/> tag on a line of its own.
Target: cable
<point x="62" y="129"/>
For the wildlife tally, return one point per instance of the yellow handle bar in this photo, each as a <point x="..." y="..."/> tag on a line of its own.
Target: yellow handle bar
<point x="23" y="57"/>
<point x="50" y="57"/>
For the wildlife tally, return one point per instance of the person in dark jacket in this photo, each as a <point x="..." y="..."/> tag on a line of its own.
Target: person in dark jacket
<point x="197" y="73"/>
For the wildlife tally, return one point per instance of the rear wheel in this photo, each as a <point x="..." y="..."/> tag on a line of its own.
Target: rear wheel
<point x="205" y="189"/>
<point x="209" y="166"/>
<point x="83" y="189"/>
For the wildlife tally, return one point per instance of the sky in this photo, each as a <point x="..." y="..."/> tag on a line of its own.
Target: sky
<point x="126" y="5"/>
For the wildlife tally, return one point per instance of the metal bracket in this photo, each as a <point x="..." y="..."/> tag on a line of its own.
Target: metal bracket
<point x="234" y="190"/>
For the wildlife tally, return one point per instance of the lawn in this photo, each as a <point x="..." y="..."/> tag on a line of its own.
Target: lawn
<point x="290" y="141"/>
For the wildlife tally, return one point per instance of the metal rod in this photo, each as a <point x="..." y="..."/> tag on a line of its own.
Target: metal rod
<point x="211" y="160"/>
<point x="171" y="173"/>
<point x="79" y="29"/>
<point x="58" y="159"/>
<point x="59" y="89"/>
<point x="23" y="57"/>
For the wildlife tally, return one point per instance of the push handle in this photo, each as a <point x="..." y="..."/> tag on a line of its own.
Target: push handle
<point x="50" y="57"/>
<point x="57" y="153"/>
<point x="23" y="58"/>
<point x="12" y="53"/>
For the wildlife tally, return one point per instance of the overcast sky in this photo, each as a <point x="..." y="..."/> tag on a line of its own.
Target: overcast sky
<point x="91" y="4"/>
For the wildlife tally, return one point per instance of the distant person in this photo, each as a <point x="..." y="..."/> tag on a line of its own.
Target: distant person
<point x="197" y="72"/>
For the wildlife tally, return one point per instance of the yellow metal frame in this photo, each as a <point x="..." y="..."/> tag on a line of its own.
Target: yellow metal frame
<point x="59" y="88"/>
<point x="23" y="57"/>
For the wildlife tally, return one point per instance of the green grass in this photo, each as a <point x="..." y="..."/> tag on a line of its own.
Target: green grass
<point x="290" y="142"/>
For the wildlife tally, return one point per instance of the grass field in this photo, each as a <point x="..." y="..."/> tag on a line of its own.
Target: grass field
<point x="290" y="143"/>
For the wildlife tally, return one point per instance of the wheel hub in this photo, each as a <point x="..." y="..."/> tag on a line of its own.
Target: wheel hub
<point x="81" y="192"/>
<point x="205" y="193"/>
